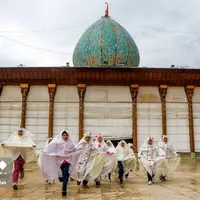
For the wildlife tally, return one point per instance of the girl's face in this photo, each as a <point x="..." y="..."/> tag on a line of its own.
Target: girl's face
<point x="165" y="140"/>
<point x="150" y="141"/>
<point x="50" y="140"/>
<point x="122" y="144"/>
<point x="99" y="139"/>
<point x="87" y="139"/>
<point x="65" y="136"/>
<point x="108" y="143"/>
<point x="20" y="133"/>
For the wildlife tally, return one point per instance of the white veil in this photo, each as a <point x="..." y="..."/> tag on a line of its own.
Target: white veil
<point x="59" y="147"/>
<point x="100" y="146"/>
<point x="55" y="149"/>
<point x="16" y="145"/>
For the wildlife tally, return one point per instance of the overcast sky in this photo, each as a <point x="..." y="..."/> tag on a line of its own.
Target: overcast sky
<point x="44" y="32"/>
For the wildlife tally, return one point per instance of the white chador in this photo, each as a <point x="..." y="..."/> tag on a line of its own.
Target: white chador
<point x="88" y="164"/>
<point x="110" y="160"/>
<point x="172" y="159"/>
<point x="125" y="154"/>
<point x="110" y="147"/>
<point x="48" y="162"/>
<point x="20" y="145"/>
<point x="112" y="152"/>
<point x="54" y="154"/>
<point x="150" y="157"/>
<point x="101" y="146"/>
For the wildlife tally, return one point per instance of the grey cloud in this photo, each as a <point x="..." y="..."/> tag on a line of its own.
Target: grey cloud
<point x="142" y="19"/>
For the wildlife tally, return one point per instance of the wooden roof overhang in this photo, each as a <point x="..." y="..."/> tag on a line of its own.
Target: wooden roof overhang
<point x="99" y="76"/>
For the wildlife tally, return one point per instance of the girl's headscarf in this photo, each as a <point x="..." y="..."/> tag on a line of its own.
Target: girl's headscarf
<point x="163" y="137"/>
<point x="26" y="137"/>
<point x="59" y="146"/>
<point x="145" y="145"/>
<point x="102" y="145"/>
<point x="126" y="146"/>
<point x="88" y="134"/>
<point x="111" y="144"/>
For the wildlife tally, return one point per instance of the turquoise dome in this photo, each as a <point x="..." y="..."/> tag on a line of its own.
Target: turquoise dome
<point x="106" y="44"/>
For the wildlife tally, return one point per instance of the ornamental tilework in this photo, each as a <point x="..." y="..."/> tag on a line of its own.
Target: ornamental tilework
<point x="106" y="44"/>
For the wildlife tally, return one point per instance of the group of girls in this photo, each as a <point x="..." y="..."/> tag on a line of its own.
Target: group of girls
<point x="94" y="160"/>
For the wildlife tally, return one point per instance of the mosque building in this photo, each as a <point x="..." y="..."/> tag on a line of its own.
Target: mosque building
<point x="105" y="92"/>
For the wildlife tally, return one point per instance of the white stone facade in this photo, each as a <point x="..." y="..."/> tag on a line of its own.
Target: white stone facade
<point x="108" y="110"/>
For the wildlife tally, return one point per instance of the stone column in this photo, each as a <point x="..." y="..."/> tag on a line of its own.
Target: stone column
<point x="189" y="90"/>
<point x="24" y="90"/>
<point x="81" y="93"/>
<point x="52" y="92"/>
<point x="163" y="92"/>
<point x="134" y="92"/>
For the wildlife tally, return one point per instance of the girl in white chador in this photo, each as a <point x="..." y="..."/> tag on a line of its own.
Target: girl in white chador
<point x="56" y="158"/>
<point x="22" y="149"/>
<point x="109" y="159"/>
<point x="110" y="147"/>
<point x="172" y="159"/>
<point x="100" y="144"/>
<point x="126" y="159"/>
<point x="46" y="174"/>
<point x="111" y="151"/>
<point x="88" y="165"/>
<point x="150" y="158"/>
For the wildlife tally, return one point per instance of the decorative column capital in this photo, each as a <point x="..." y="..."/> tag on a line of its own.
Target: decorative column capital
<point x="134" y="92"/>
<point x="24" y="90"/>
<point x="52" y="91"/>
<point x="189" y="90"/>
<point x="81" y="91"/>
<point x="163" y="92"/>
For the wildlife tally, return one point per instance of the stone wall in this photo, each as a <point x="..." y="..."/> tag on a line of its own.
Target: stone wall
<point x="37" y="114"/>
<point x="149" y="114"/>
<point x="66" y="109"/>
<point x="196" y="114"/>
<point x="107" y="110"/>
<point x="10" y="111"/>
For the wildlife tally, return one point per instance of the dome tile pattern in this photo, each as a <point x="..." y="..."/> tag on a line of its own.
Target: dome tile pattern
<point x="106" y="44"/>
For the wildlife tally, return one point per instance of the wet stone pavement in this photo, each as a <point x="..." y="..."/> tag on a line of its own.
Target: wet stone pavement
<point x="184" y="184"/>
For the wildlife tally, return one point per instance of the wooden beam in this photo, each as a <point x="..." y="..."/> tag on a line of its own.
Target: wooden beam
<point x="163" y="93"/>
<point x="134" y="93"/>
<point x="52" y="92"/>
<point x="24" y="92"/>
<point x="99" y="76"/>
<point x="189" y="90"/>
<point x="81" y="93"/>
